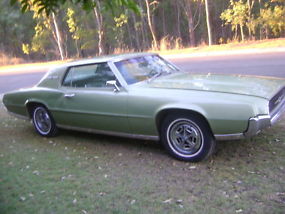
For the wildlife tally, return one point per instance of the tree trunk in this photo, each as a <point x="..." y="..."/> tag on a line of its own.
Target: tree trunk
<point x="144" y="32"/>
<point x="260" y="29"/>
<point x="137" y="38"/>
<point x="241" y="32"/>
<point x="250" y="4"/>
<point x="163" y="22"/>
<point x="130" y="46"/>
<point x="178" y="21"/>
<point x="58" y="37"/>
<point x="99" y="21"/>
<point x="150" y="24"/>
<point x="208" y="22"/>
<point x="191" y="29"/>
<point x="77" y="49"/>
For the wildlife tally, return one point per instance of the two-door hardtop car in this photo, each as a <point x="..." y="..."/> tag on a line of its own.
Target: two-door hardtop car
<point x="144" y="96"/>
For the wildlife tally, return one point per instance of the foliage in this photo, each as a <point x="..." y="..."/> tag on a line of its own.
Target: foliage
<point x="49" y="6"/>
<point x="273" y="19"/>
<point x="126" y="25"/>
<point x="84" y="38"/>
<point x="270" y="17"/>
<point x="236" y="15"/>
<point x="16" y="28"/>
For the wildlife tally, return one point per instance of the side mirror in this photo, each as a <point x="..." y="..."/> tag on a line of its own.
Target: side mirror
<point x="113" y="83"/>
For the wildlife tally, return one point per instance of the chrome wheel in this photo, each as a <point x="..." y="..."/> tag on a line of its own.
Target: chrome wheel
<point x="42" y="120"/>
<point x="187" y="136"/>
<point x="184" y="137"/>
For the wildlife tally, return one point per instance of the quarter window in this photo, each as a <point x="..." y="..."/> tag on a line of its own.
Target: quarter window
<point x="88" y="76"/>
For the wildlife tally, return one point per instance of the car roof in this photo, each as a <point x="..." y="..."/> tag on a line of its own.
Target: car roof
<point x="107" y="58"/>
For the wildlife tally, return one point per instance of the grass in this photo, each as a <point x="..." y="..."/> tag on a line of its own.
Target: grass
<point x="83" y="173"/>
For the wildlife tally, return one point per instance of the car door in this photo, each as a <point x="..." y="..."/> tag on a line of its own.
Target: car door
<point x="88" y="103"/>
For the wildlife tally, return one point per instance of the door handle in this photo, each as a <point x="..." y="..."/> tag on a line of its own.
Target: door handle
<point x="69" y="95"/>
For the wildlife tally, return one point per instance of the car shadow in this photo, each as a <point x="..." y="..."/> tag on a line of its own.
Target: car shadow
<point x="114" y="141"/>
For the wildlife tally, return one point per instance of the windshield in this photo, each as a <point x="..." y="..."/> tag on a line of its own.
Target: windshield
<point x="144" y="68"/>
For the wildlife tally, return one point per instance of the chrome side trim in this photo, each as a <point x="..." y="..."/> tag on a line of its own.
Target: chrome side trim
<point x="88" y="112"/>
<point x="222" y="137"/>
<point x="118" y="134"/>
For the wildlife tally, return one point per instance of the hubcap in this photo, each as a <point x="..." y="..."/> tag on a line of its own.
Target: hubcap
<point x="185" y="137"/>
<point x="42" y="120"/>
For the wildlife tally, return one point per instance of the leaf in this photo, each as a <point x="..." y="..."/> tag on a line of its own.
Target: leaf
<point x="74" y="201"/>
<point x="22" y="198"/>
<point x="167" y="201"/>
<point x="179" y="201"/>
<point x="12" y="2"/>
<point x="25" y="7"/>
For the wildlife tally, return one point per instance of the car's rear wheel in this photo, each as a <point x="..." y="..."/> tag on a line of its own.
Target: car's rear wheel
<point x="43" y="122"/>
<point x="187" y="137"/>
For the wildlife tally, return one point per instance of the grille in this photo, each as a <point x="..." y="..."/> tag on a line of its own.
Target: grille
<point x="276" y="99"/>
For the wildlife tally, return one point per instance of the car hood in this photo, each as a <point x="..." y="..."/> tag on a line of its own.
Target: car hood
<point x="265" y="87"/>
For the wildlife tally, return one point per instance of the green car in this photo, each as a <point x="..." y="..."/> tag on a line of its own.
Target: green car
<point x="144" y="96"/>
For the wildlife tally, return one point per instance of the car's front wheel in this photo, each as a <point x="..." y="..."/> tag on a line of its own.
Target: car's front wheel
<point x="43" y="122"/>
<point x="187" y="137"/>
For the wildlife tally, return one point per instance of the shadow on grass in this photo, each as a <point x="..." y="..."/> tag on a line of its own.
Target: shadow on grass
<point x="113" y="141"/>
<point x="225" y="150"/>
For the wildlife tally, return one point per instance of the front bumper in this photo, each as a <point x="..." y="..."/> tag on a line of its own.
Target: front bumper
<point x="257" y="124"/>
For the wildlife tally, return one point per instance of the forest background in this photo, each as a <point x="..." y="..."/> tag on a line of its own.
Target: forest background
<point x="72" y="32"/>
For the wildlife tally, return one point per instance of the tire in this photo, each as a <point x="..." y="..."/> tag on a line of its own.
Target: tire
<point x="187" y="137"/>
<point x="44" y="122"/>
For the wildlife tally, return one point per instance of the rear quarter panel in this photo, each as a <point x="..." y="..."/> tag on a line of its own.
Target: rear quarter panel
<point x="15" y="102"/>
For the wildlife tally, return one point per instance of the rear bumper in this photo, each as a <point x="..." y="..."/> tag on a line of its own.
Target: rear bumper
<point x="257" y="124"/>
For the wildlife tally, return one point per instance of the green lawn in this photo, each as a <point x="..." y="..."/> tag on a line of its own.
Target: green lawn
<point x="84" y="173"/>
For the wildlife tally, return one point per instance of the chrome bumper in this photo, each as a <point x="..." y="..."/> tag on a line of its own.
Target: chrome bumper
<point x="256" y="124"/>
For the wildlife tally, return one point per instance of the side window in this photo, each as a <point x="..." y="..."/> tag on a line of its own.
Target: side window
<point x="88" y="76"/>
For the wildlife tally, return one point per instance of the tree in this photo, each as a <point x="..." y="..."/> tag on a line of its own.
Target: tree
<point x="150" y="22"/>
<point x="236" y="15"/>
<point x="16" y="29"/>
<point x="61" y="28"/>
<point x="193" y="20"/>
<point x="58" y="37"/>
<point x="49" y="6"/>
<point x="272" y="19"/>
<point x="208" y="22"/>
<point x="251" y="21"/>
<point x="100" y="26"/>
<point x="46" y="28"/>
